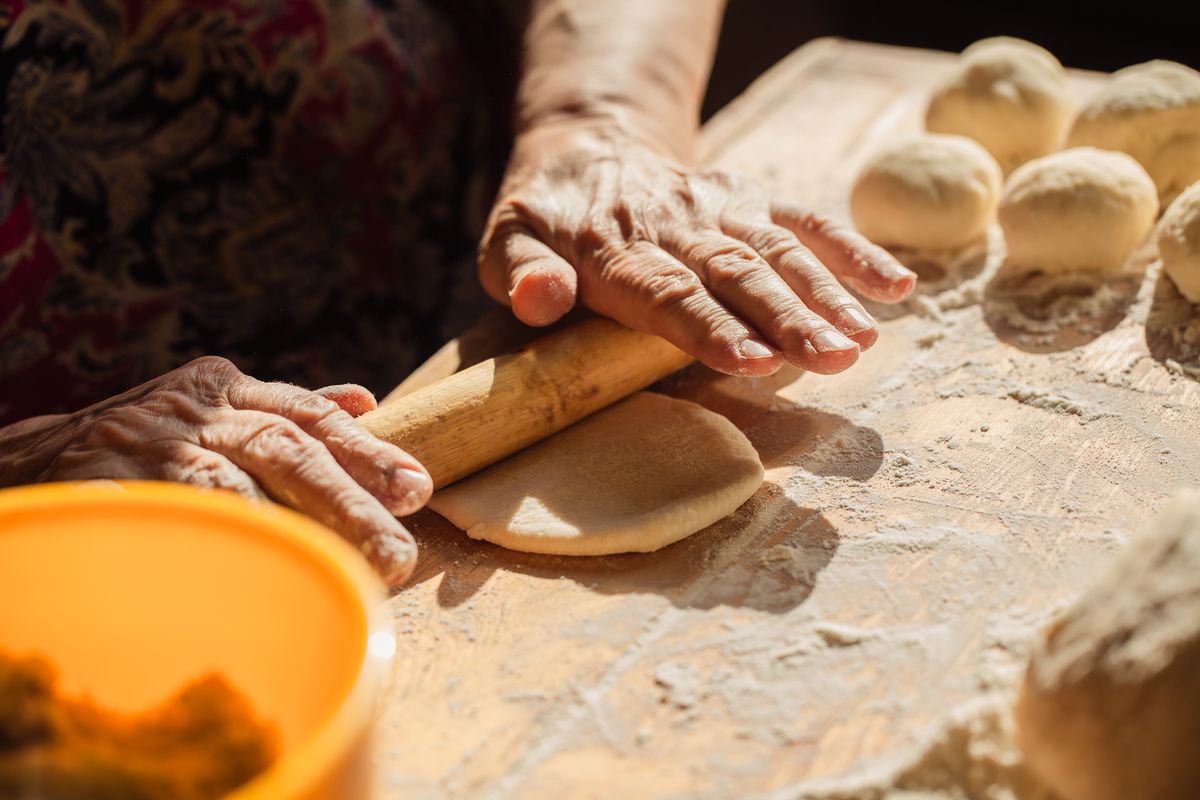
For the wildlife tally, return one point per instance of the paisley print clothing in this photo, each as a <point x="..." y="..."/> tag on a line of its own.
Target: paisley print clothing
<point x="294" y="184"/>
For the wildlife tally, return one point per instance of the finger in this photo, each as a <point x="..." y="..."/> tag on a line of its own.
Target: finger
<point x="355" y="400"/>
<point x="809" y="279"/>
<point x="739" y="278"/>
<point x="394" y="477"/>
<point x="519" y="269"/>
<point x="866" y="267"/>
<point x="194" y="465"/>
<point x="297" y="470"/>
<point x="646" y="288"/>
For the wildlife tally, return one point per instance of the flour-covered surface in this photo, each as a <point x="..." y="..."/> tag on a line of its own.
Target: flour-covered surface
<point x="856" y="629"/>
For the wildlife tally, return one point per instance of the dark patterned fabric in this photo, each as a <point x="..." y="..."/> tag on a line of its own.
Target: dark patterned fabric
<point x="293" y="184"/>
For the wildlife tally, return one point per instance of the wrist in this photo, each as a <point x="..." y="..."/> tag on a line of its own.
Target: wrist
<point x="606" y="124"/>
<point x="543" y="106"/>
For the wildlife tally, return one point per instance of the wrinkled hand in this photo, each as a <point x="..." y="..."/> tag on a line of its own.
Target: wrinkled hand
<point x="209" y="425"/>
<point x="703" y="259"/>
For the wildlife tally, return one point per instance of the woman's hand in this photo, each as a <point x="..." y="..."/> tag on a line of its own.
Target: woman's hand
<point x="209" y="425"/>
<point x="703" y="259"/>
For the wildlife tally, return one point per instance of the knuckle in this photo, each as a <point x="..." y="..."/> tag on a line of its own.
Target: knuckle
<point x="804" y="218"/>
<point x="217" y="366"/>
<point x="670" y="288"/>
<point x="800" y="260"/>
<point x="731" y="270"/>
<point x="275" y="439"/>
<point x="211" y="376"/>
<point x="505" y="220"/>
<point x="797" y="324"/>
<point x="203" y="468"/>
<point x="339" y="429"/>
<point x="166" y="402"/>
<point x="358" y="510"/>
<point x="719" y="327"/>
<point x="307" y="406"/>
<point x="774" y="242"/>
<point x="495" y="247"/>
<point x="828" y="293"/>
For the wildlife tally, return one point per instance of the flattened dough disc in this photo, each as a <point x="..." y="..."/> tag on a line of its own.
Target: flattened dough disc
<point x="635" y="477"/>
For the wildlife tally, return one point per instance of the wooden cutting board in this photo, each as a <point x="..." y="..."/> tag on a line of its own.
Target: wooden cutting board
<point x="924" y="513"/>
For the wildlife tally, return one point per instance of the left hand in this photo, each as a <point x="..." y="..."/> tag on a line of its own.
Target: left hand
<point x="702" y="258"/>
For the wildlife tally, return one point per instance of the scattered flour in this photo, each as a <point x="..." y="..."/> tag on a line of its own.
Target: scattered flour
<point x="1049" y="401"/>
<point x="971" y="756"/>
<point x="680" y="683"/>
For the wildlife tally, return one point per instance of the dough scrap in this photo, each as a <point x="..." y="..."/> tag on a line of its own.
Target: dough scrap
<point x="634" y="477"/>
<point x="935" y="192"/>
<point x="1109" y="708"/>
<point x="1179" y="242"/>
<point x="1152" y="112"/>
<point x="1080" y="209"/>
<point x="1007" y="94"/>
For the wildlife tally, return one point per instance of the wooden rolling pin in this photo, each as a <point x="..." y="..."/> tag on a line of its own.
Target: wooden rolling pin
<point x="476" y="417"/>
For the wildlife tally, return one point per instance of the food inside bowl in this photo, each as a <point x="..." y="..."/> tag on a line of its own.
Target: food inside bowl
<point x="201" y="743"/>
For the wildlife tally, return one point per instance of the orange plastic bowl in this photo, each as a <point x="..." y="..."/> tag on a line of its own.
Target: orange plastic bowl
<point x="133" y="590"/>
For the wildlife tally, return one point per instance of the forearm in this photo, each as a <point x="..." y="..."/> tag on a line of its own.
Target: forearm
<point x="29" y="447"/>
<point x="639" y="64"/>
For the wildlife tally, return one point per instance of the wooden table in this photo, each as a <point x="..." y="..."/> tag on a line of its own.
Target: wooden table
<point x="925" y="513"/>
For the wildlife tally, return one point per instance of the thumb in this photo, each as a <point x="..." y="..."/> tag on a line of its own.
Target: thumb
<point x="538" y="284"/>
<point x="355" y="400"/>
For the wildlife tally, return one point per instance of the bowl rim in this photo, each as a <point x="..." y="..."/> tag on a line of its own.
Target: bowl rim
<point x="301" y="770"/>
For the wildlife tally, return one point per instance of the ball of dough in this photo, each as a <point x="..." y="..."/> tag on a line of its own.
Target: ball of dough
<point x="1152" y="112"/>
<point x="1007" y="94"/>
<point x="1110" y="707"/>
<point x="1179" y="242"/>
<point x="1079" y="209"/>
<point x="935" y="192"/>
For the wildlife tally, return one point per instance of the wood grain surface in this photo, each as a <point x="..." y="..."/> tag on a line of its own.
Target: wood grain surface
<point x="924" y="512"/>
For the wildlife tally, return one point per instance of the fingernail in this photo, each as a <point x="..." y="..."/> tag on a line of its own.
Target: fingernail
<point x="754" y="350"/>
<point x="855" y="321"/>
<point x="411" y="474"/>
<point x="407" y="482"/>
<point x="830" y="341"/>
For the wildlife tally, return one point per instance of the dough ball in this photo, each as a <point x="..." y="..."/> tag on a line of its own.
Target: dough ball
<point x="1110" y="707"/>
<point x="1179" y="242"/>
<point x="1152" y="112"/>
<point x="1007" y="94"/>
<point x="935" y="192"/>
<point x="634" y="477"/>
<point x="1078" y="209"/>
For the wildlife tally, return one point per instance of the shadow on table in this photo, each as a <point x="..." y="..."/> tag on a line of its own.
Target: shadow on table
<point x="783" y="432"/>
<point x="1173" y="329"/>
<point x="1042" y="313"/>
<point x="767" y="555"/>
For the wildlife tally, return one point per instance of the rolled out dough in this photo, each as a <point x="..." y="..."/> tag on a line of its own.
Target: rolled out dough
<point x="635" y="477"/>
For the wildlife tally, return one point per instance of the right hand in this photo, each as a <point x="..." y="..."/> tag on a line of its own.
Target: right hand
<point x="591" y="212"/>
<point x="209" y="425"/>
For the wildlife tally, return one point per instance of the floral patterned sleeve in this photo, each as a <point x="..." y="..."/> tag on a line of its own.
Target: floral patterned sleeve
<point x="294" y="185"/>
